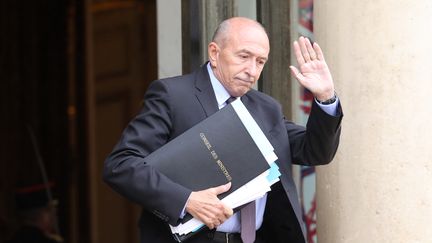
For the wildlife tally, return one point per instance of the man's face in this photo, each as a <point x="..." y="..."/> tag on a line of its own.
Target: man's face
<point x="239" y="60"/>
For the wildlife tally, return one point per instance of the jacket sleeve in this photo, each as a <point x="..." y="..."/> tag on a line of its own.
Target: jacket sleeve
<point x="317" y="144"/>
<point x="125" y="169"/>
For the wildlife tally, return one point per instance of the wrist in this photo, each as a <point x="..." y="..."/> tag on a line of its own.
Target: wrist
<point x="326" y="100"/>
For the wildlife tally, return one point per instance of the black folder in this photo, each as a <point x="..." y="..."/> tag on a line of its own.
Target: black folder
<point x="217" y="150"/>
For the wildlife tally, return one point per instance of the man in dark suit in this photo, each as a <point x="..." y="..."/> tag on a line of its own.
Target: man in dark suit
<point x="237" y="55"/>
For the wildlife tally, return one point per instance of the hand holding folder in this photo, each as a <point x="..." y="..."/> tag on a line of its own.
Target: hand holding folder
<point x="198" y="205"/>
<point x="226" y="147"/>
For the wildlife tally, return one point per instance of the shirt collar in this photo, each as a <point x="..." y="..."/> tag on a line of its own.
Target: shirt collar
<point x="221" y="93"/>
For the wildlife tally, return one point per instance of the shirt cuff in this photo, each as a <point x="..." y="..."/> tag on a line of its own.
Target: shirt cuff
<point x="330" y="109"/>
<point x="183" y="212"/>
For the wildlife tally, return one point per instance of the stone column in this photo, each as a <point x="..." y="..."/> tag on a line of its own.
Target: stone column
<point x="379" y="187"/>
<point x="211" y="14"/>
<point x="276" y="76"/>
<point x="169" y="37"/>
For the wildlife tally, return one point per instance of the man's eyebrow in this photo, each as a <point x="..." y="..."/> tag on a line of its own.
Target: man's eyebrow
<point x="250" y="53"/>
<point x="263" y="58"/>
<point x="244" y="51"/>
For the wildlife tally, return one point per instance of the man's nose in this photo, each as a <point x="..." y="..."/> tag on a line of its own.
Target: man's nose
<point x="252" y="68"/>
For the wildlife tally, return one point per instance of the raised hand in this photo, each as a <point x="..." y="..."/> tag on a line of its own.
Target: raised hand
<point x="206" y="206"/>
<point x="313" y="72"/>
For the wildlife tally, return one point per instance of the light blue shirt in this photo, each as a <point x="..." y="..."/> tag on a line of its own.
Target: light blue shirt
<point x="232" y="225"/>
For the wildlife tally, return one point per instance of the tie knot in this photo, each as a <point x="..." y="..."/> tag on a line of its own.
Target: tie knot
<point x="230" y="99"/>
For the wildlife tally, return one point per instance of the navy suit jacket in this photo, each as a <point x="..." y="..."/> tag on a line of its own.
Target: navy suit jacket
<point x="173" y="105"/>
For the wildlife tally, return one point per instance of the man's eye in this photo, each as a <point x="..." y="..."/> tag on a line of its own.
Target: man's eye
<point x="243" y="56"/>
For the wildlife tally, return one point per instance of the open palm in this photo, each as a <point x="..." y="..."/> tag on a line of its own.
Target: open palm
<point x="314" y="73"/>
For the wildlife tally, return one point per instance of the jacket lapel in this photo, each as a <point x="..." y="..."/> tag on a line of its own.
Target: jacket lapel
<point x="259" y="118"/>
<point x="204" y="91"/>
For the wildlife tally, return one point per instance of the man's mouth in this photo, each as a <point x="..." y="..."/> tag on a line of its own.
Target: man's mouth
<point x="247" y="80"/>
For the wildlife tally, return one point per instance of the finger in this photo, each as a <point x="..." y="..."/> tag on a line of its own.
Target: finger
<point x="318" y="51"/>
<point x="296" y="73"/>
<point x="210" y="225"/>
<point x="303" y="48"/>
<point x="223" y="188"/>
<point x="217" y="223"/>
<point x="297" y="53"/>
<point x="214" y="217"/>
<point x="310" y="49"/>
<point x="224" y="212"/>
<point x="207" y="221"/>
<point x="228" y="211"/>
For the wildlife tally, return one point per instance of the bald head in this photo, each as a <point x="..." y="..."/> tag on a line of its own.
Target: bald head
<point x="237" y="54"/>
<point x="232" y="26"/>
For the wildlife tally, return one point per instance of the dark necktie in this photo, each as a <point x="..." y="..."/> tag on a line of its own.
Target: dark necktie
<point x="247" y="214"/>
<point x="229" y="100"/>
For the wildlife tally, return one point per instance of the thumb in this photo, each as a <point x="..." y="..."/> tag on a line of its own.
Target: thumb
<point x="222" y="188"/>
<point x="296" y="73"/>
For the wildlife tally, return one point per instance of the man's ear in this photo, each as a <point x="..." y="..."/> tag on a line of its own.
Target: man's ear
<point x="213" y="52"/>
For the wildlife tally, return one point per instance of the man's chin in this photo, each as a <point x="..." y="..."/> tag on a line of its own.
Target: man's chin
<point x="240" y="92"/>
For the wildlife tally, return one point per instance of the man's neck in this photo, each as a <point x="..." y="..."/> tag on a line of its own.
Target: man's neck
<point x="221" y="93"/>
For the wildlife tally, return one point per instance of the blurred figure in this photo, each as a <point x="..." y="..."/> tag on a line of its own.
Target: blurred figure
<point x="37" y="215"/>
